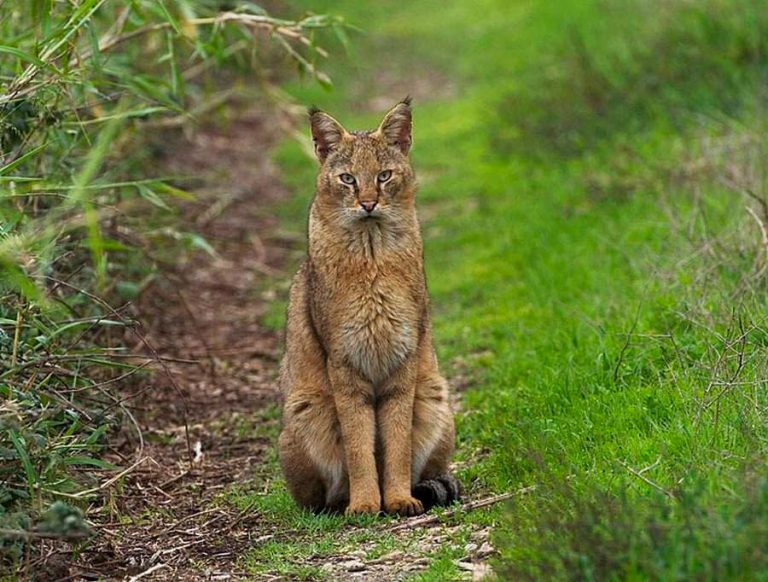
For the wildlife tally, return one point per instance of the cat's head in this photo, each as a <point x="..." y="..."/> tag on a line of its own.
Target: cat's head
<point x="365" y="175"/>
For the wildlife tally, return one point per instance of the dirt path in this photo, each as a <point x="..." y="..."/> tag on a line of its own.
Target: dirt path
<point x="208" y="418"/>
<point x="166" y="521"/>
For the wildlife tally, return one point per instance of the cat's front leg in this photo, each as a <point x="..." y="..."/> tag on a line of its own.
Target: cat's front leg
<point x="353" y="397"/>
<point x="394" y="417"/>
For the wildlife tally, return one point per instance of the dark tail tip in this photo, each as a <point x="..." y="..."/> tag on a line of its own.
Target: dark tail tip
<point x="442" y="490"/>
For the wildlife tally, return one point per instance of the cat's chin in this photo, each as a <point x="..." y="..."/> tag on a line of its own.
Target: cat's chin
<point x="368" y="216"/>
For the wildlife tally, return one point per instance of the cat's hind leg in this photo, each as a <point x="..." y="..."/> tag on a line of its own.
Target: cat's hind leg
<point x="436" y="485"/>
<point x="441" y="491"/>
<point x="312" y="454"/>
<point x="304" y="481"/>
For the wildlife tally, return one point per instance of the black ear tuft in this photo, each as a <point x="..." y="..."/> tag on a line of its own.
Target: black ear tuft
<point x="312" y="110"/>
<point x="407" y="101"/>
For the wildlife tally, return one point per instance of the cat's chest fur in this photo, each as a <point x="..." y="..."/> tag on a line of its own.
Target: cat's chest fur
<point x="379" y="332"/>
<point x="375" y="321"/>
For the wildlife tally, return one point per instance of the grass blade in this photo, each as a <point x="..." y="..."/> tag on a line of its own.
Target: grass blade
<point x="21" y="159"/>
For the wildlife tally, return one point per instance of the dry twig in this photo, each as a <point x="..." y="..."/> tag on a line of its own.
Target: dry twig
<point x="427" y="520"/>
<point x="147" y="572"/>
<point x="110" y="481"/>
<point x="646" y="480"/>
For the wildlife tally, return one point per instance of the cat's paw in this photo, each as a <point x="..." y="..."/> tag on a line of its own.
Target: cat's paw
<point x="405" y="506"/>
<point x="365" y="507"/>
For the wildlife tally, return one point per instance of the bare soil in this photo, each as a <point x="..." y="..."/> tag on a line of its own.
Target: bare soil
<point x="220" y="366"/>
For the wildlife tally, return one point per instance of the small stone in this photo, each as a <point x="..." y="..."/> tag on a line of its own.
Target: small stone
<point x="481" y="572"/>
<point x="353" y="565"/>
<point x="470" y="548"/>
<point x="485" y="550"/>
<point x="467" y="566"/>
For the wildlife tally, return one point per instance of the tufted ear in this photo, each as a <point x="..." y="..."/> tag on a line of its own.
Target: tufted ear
<point x="327" y="133"/>
<point x="396" y="126"/>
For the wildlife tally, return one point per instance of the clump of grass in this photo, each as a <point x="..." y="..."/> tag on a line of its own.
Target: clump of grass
<point x="667" y="65"/>
<point x="584" y="533"/>
<point x="83" y="84"/>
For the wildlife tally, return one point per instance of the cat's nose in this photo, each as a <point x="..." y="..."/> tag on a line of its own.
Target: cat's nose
<point x="368" y="205"/>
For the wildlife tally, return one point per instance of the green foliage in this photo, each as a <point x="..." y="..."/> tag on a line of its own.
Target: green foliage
<point x="64" y="520"/>
<point x="589" y="534"/>
<point x="80" y="88"/>
<point x="60" y="520"/>
<point x="636" y="66"/>
<point x="85" y="86"/>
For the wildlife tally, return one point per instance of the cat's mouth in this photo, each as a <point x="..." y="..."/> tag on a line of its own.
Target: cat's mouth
<point x="364" y="215"/>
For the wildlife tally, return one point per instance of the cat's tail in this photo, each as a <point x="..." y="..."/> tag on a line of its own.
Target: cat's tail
<point x="442" y="490"/>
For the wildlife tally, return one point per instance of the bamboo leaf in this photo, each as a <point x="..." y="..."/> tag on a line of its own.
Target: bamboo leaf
<point x="151" y="196"/>
<point x="26" y="462"/>
<point x="21" y="55"/>
<point x="21" y="159"/>
<point x="84" y="460"/>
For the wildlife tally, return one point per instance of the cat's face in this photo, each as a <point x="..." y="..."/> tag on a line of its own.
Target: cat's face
<point x="365" y="175"/>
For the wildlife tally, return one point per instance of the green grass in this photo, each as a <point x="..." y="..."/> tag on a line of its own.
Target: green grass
<point x="300" y="541"/>
<point x="591" y="262"/>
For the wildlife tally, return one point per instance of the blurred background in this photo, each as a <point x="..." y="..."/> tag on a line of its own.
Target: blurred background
<point x="594" y="200"/>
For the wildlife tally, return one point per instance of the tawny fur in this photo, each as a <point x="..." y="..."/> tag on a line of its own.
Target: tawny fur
<point x="366" y="414"/>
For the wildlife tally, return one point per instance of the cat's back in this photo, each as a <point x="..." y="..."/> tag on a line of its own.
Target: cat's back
<point x="302" y="352"/>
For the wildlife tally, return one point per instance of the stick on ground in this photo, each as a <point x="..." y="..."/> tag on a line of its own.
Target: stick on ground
<point x="427" y="520"/>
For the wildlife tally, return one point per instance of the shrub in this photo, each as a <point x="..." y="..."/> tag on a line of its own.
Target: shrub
<point x="83" y="83"/>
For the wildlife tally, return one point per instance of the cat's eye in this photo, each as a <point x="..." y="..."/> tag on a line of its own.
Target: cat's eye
<point x="347" y="178"/>
<point x="384" y="176"/>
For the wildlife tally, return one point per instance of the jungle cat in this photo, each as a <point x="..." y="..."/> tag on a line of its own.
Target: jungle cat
<point x="367" y="421"/>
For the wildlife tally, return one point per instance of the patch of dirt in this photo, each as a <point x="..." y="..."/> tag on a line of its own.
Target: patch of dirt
<point x="420" y="85"/>
<point x="219" y="372"/>
<point x="400" y="565"/>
